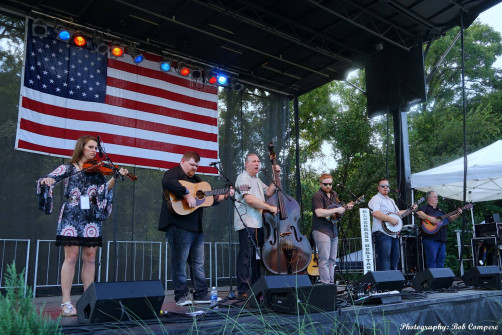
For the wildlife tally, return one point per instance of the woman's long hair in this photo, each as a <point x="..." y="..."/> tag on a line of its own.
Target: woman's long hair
<point x="79" y="147"/>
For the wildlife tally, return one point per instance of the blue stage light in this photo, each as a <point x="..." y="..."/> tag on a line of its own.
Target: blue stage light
<point x="64" y="35"/>
<point x="222" y="79"/>
<point x="138" y="59"/>
<point x="165" y="66"/>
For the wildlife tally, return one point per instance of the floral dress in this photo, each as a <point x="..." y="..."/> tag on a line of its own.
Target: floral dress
<point x="78" y="226"/>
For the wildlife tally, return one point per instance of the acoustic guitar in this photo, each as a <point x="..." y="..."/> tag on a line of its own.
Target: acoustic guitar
<point x="429" y="228"/>
<point x="389" y="228"/>
<point x="335" y="218"/>
<point x="313" y="268"/>
<point x="202" y="193"/>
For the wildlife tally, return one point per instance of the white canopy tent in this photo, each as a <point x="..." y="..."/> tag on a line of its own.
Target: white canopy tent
<point x="484" y="176"/>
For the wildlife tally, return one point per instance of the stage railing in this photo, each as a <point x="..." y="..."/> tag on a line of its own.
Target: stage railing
<point x="146" y="260"/>
<point x="48" y="261"/>
<point x="17" y="252"/>
<point x="133" y="260"/>
<point x="222" y="256"/>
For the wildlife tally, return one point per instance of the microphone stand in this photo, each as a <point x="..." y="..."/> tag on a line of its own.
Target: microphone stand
<point x="228" y="183"/>
<point x="115" y="220"/>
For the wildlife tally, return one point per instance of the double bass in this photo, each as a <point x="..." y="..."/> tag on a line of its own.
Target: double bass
<point x="285" y="250"/>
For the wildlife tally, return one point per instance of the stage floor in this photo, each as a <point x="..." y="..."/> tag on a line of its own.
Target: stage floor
<point x="458" y="311"/>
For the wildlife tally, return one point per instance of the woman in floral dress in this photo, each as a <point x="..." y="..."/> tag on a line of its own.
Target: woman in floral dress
<point x="88" y="202"/>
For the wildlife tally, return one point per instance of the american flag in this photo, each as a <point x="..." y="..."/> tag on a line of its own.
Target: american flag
<point x="145" y="117"/>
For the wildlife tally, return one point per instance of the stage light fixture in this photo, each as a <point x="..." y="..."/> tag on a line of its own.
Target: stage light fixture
<point x="165" y="65"/>
<point x="100" y="45"/>
<point x="63" y="34"/>
<point x="135" y="54"/>
<point x="39" y="28"/>
<point x="222" y="79"/>
<point x="117" y="50"/>
<point x="196" y="73"/>
<point x="212" y="80"/>
<point x="185" y="71"/>
<point x="237" y="86"/>
<point x="79" y="39"/>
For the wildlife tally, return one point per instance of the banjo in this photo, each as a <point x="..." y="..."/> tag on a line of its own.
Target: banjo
<point x="391" y="229"/>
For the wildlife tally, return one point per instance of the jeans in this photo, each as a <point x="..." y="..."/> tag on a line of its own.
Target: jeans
<point x="248" y="267"/>
<point x="187" y="246"/>
<point x="435" y="253"/>
<point x="386" y="251"/>
<point x="326" y="252"/>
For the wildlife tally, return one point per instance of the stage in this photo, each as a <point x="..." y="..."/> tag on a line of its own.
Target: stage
<point x="459" y="310"/>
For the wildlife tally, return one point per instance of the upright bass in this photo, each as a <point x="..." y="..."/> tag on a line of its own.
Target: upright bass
<point x="285" y="250"/>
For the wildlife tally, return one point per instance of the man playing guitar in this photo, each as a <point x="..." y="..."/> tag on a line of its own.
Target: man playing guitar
<point x="324" y="232"/>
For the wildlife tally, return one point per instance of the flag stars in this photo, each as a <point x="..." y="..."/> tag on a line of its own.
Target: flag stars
<point x="32" y="68"/>
<point x="97" y="83"/>
<point x="45" y="73"/>
<point x="91" y="89"/>
<point x="38" y="77"/>
<point x="58" y="89"/>
<point x="72" y="66"/>
<point x="91" y="76"/>
<point x="47" y="46"/>
<point x="44" y="86"/>
<point x="40" y="50"/>
<point x="86" y="68"/>
<point x="53" y="55"/>
<point x="85" y="81"/>
<point x="31" y="82"/>
<point x="79" y="61"/>
<point x="53" y="68"/>
<point x="60" y="50"/>
<point x="79" y="74"/>
<point x="78" y="87"/>
<point x="46" y="59"/>
<point x="96" y="95"/>
<point x="71" y="92"/>
<point x="33" y="54"/>
<point x="58" y="76"/>
<point x="60" y="63"/>
<point x="51" y="81"/>
<point x="83" y="94"/>
<point x="72" y="79"/>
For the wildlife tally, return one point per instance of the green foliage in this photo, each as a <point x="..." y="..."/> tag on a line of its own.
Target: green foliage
<point x="18" y="315"/>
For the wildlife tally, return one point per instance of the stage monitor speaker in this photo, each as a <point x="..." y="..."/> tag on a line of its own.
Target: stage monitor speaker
<point x="116" y="301"/>
<point x="484" y="277"/>
<point x="433" y="279"/>
<point x="291" y="294"/>
<point x="383" y="281"/>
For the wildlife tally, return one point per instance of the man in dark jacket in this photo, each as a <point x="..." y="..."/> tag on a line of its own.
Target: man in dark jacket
<point x="184" y="232"/>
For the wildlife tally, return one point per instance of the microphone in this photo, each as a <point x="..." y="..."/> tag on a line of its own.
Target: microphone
<point x="214" y="163"/>
<point x="99" y="147"/>
<point x="340" y="186"/>
<point x="263" y="170"/>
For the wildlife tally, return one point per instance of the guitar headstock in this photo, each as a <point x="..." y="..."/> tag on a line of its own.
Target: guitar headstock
<point x="271" y="152"/>
<point x="359" y="200"/>
<point x="422" y="199"/>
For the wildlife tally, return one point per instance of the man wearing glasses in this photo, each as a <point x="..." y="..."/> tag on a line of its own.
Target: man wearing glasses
<point x="324" y="232"/>
<point x="386" y="245"/>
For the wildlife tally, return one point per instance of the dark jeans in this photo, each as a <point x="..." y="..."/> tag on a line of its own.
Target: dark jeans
<point x="246" y="256"/>
<point x="187" y="246"/>
<point x="435" y="253"/>
<point x="386" y="251"/>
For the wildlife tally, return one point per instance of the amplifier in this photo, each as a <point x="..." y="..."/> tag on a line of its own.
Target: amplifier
<point x="488" y="229"/>
<point x="487" y="251"/>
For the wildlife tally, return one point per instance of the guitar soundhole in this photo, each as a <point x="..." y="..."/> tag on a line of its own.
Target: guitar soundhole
<point x="199" y="195"/>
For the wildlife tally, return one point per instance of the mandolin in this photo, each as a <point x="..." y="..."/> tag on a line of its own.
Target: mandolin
<point x="335" y="218"/>
<point x="202" y="193"/>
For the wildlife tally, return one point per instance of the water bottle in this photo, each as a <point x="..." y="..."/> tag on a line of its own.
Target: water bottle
<point x="214" y="298"/>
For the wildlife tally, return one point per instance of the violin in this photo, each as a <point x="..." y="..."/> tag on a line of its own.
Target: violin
<point x="95" y="166"/>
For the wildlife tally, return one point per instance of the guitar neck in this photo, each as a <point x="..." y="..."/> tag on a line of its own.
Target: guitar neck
<point x="408" y="211"/>
<point x="215" y="192"/>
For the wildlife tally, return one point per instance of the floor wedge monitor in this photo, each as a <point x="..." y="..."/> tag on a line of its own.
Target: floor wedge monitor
<point x="433" y="279"/>
<point x="383" y="281"/>
<point x="120" y="301"/>
<point x="292" y="294"/>
<point x="484" y="277"/>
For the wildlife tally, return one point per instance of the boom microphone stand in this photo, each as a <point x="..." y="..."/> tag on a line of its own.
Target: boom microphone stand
<point x="228" y="183"/>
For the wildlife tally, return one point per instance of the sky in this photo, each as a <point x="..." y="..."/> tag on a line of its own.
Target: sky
<point x="491" y="17"/>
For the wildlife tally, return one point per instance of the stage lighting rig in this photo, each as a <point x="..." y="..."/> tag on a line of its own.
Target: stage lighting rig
<point x="135" y="54"/>
<point x="39" y="28"/>
<point x="117" y="50"/>
<point x="79" y="39"/>
<point x="100" y="45"/>
<point x="63" y="34"/>
<point x="165" y="65"/>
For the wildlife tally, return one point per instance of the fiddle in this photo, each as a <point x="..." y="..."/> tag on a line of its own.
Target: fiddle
<point x="95" y="166"/>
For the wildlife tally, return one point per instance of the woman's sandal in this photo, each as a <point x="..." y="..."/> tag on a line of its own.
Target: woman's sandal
<point x="67" y="309"/>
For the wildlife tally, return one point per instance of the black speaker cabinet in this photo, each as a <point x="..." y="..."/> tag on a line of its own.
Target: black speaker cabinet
<point x="433" y="279"/>
<point x="114" y="301"/>
<point x="292" y="294"/>
<point x="484" y="277"/>
<point x="383" y="281"/>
